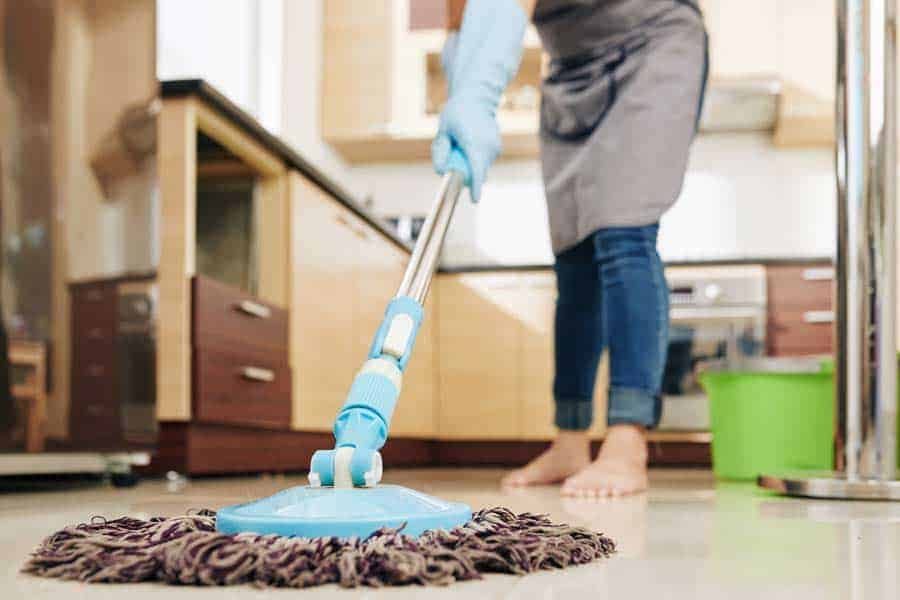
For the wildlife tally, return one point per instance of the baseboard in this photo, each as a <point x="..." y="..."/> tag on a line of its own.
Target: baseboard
<point x="211" y="449"/>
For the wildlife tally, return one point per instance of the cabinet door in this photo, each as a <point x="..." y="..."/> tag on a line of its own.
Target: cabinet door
<point x="801" y="311"/>
<point x="538" y="305"/>
<point x="381" y="269"/>
<point x="479" y="357"/>
<point x="357" y="58"/>
<point x="325" y="254"/>
<point x="416" y="414"/>
<point x="536" y="309"/>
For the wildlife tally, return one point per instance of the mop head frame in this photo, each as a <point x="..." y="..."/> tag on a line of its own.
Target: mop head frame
<point x="189" y="550"/>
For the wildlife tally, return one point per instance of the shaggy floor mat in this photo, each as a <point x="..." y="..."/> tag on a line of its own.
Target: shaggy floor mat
<point x="188" y="550"/>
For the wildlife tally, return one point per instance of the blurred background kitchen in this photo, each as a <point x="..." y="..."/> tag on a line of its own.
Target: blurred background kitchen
<point x="166" y="248"/>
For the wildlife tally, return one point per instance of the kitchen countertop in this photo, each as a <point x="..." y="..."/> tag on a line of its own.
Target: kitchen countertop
<point x="768" y="261"/>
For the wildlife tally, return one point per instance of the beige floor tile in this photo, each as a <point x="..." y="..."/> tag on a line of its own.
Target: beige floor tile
<point x="687" y="538"/>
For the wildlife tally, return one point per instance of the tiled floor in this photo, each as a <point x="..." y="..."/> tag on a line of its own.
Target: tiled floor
<point x="687" y="538"/>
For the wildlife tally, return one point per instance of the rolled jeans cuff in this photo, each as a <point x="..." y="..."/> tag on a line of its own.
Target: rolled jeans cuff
<point x="574" y="414"/>
<point x="633" y="406"/>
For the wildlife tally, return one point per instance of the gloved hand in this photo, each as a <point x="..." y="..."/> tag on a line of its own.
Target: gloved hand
<point x="479" y="63"/>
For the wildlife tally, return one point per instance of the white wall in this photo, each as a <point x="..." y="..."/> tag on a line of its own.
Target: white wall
<point x="302" y="76"/>
<point x="741" y="198"/>
<point x="235" y="45"/>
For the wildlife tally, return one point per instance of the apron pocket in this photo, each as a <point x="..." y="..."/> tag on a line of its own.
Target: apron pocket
<point x="578" y="93"/>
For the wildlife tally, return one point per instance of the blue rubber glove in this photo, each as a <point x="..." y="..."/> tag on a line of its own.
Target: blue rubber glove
<point x="479" y="63"/>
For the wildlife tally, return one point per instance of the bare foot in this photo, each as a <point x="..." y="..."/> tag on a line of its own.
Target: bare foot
<point x="569" y="453"/>
<point x="620" y="468"/>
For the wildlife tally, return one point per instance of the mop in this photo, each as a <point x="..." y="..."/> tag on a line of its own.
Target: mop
<point x="344" y="527"/>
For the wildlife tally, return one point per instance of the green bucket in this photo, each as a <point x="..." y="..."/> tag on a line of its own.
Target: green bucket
<point x="772" y="415"/>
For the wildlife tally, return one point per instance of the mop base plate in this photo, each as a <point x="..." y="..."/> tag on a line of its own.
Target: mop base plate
<point x="309" y="512"/>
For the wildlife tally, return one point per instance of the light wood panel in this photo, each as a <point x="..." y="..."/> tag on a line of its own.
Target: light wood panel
<point x="237" y="141"/>
<point x="177" y="156"/>
<point x="324" y="352"/>
<point x="272" y="234"/>
<point x="70" y="73"/>
<point x="33" y="391"/>
<point x="804" y="119"/>
<point x="343" y="276"/>
<point x="532" y="300"/>
<point x="538" y="306"/>
<point x="357" y="61"/>
<point x="479" y="357"/>
<point x="416" y="413"/>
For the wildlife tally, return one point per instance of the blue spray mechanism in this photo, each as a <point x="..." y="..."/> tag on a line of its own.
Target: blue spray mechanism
<point x="362" y="425"/>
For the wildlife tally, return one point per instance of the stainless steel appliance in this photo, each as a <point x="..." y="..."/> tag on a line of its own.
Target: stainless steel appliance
<point x="717" y="313"/>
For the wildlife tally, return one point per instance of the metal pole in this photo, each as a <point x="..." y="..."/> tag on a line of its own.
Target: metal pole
<point x="427" y="252"/>
<point x="866" y="298"/>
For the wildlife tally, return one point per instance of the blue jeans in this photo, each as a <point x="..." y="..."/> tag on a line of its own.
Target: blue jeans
<point x="612" y="294"/>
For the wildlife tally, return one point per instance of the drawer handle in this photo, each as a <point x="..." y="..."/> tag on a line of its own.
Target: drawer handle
<point x="818" y="274"/>
<point x="96" y="370"/>
<point x="258" y="374"/>
<point x="357" y="231"/>
<point x="254" y="309"/>
<point x="96" y="333"/>
<point x="94" y="296"/>
<point x="818" y="316"/>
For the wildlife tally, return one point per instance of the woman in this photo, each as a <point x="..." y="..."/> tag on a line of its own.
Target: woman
<point x="619" y="110"/>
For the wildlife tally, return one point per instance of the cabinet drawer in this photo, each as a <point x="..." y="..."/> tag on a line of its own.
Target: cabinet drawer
<point x="94" y="410"/>
<point x="801" y="332"/>
<point x="223" y="315"/>
<point x="807" y="287"/>
<point x="94" y="312"/>
<point x="242" y="388"/>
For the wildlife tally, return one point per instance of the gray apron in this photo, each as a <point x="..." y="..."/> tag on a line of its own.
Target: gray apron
<point x="619" y="109"/>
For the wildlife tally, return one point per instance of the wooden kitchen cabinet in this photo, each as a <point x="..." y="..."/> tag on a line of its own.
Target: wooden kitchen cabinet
<point x="324" y="260"/>
<point x="380" y="271"/>
<point x="791" y="41"/>
<point x="537" y="306"/>
<point x="384" y="86"/>
<point x="496" y="358"/>
<point x="343" y="276"/>
<point x="800" y="307"/>
<point x="479" y="357"/>
<point x="416" y="413"/>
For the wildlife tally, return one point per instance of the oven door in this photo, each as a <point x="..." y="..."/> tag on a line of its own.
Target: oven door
<point x="697" y="335"/>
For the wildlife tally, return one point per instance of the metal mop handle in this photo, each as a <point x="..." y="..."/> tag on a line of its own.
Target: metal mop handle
<point x="361" y="426"/>
<point x="427" y="251"/>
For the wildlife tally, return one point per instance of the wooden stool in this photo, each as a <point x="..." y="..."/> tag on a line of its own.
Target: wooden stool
<point x="33" y="391"/>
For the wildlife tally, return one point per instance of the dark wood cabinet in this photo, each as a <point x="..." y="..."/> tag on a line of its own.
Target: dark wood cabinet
<point x="242" y="388"/>
<point x="112" y="371"/>
<point x="94" y="416"/>
<point x="240" y="358"/>
<point x="801" y="311"/>
<point x="224" y="316"/>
